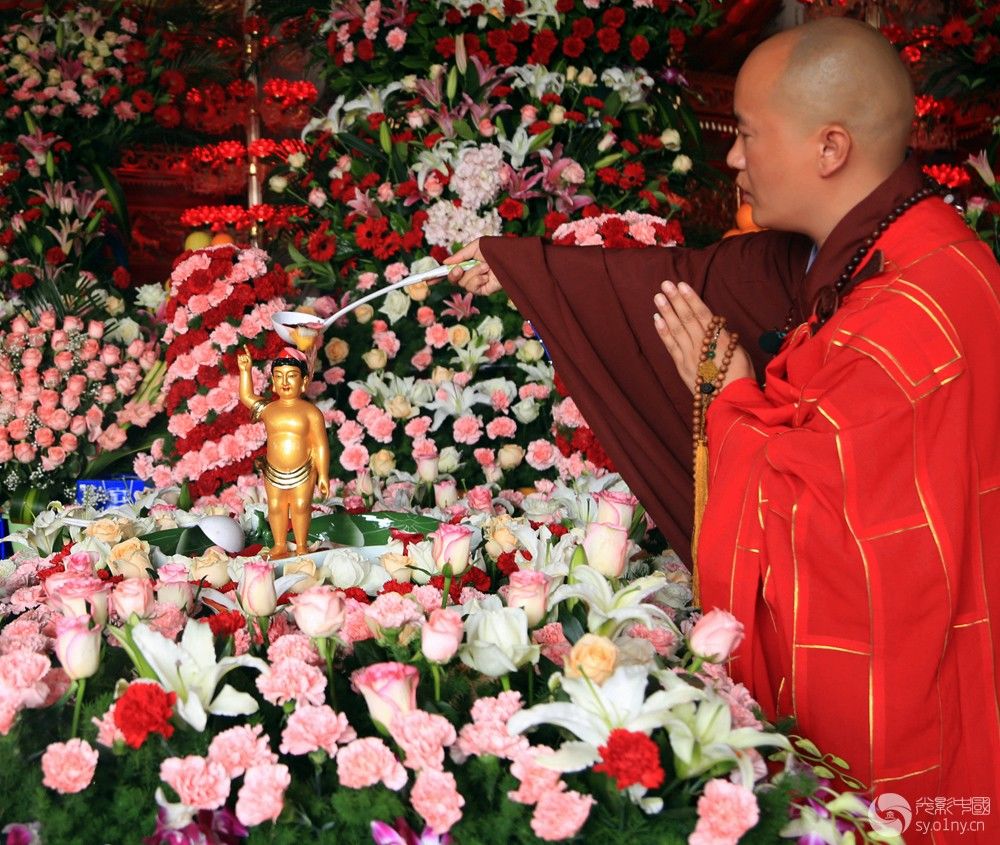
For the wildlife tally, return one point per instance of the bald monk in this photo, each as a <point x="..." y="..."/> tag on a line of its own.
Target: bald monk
<point x="853" y="519"/>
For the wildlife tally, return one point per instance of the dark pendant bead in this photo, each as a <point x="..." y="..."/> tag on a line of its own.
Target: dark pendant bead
<point x="707" y="388"/>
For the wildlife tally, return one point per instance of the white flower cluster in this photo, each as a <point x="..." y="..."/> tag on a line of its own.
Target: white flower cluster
<point x="477" y="177"/>
<point x="629" y="84"/>
<point x="447" y="225"/>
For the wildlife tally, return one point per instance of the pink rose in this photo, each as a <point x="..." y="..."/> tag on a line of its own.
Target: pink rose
<point x="441" y="635"/>
<point x="58" y="420"/>
<point x="173" y="587"/>
<point x="69" y="766"/>
<point x="451" y="547"/>
<point x="64" y="360"/>
<point x="112" y="437"/>
<point x="53" y="458"/>
<point x="256" y="588"/>
<point x="529" y="589"/>
<point x="44" y="437"/>
<point x="76" y="383"/>
<point x="78" y="646"/>
<point x="606" y="547"/>
<point x="17" y="429"/>
<point x="389" y="689"/>
<point x="24" y="452"/>
<point x="95" y="370"/>
<point x="77" y="425"/>
<point x="616" y="508"/>
<point x="6" y="452"/>
<point x="47" y="320"/>
<point x="445" y="493"/>
<point x="95" y="329"/>
<point x="133" y="595"/>
<point x="715" y="635"/>
<point x="319" y="611"/>
<point x="31" y="358"/>
<point x="69" y="442"/>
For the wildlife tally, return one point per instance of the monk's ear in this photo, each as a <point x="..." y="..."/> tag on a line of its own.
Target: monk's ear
<point x="835" y="144"/>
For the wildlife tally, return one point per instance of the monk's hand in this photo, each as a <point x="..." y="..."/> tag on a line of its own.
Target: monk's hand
<point x="681" y="320"/>
<point x="479" y="279"/>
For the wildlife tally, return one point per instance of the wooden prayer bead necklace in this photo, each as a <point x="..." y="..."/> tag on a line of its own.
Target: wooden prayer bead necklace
<point x="708" y="381"/>
<point x="828" y="298"/>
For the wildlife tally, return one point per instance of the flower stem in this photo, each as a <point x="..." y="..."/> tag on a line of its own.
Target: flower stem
<point x="81" y="686"/>
<point x="505" y="682"/>
<point x="448" y="576"/>
<point x="436" y="674"/>
<point x="327" y="652"/>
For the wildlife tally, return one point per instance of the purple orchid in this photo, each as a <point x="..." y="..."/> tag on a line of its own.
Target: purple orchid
<point x="403" y="834"/>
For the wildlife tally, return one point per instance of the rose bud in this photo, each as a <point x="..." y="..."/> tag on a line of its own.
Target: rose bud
<point x="319" y="611"/>
<point x="616" y="508"/>
<point x="78" y="646"/>
<point x="445" y="493"/>
<point x="715" y="635"/>
<point x="133" y="595"/>
<point x="529" y="589"/>
<point x="606" y="546"/>
<point x="390" y="689"/>
<point x="441" y="635"/>
<point x="173" y="586"/>
<point x="256" y="588"/>
<point x="451" y="546"/>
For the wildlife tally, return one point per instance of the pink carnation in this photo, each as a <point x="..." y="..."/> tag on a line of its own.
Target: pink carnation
<point x="468" y="429"/>
<point x="663" y="639"/>
<point x="199" y="783"/>
<point x="488" y="734"/>
<point x="553" y="641"/>
<point x="350" y="432"/>
<point x="69" y="766"/>
<point x="560" y="815"/>
<point x="725" y="812"/>
<point x="354" y="458"/>
<point x="367" y="761"/>
<point x="310" y="728"/>
<point x="240" y="748"/>
<point x="291" y="679"/>
<point x="423" y="737"/>
<point x="108" y="732"/>
<point x="22" y="678"/>
<point x="541" y="454"/>
<point x="536" y="781"/>
<point x="262" y="796"/>
<point x="391" y="610"/>
<point x="435" y="797"/>
<point x="501" y="427"/>
<point x="436" y="335"/>
<point x="294" y="645"/>
<point x="355" y="628"/>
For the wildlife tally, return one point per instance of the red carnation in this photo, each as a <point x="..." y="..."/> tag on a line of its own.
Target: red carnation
<point x="614" y="17"/>
<point x="638" y="46"/>
<point x="608" y="38"/>
<point x="956" y="32"/>
<point x="22" y="281"/>
<point x="54" y="255"/>
<point x="365" y="50"/>
<point x="167" y="116"/>
<point x="631" y="758"/>
<point x="121" y="277"/>
<point x="143" y="709"/>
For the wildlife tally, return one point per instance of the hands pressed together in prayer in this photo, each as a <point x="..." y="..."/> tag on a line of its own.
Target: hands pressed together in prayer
<point x="681" y="320"/>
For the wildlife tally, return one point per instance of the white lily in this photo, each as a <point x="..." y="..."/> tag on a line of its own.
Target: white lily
<point x="453" y="401"/>
<point x="594" y="711"/>
<point x="517" y="148"/>
<point x="190" y="669"/>
<point x="608" y="612"/>
<point x="702" y="735"/>
<point x="551" y="558"/>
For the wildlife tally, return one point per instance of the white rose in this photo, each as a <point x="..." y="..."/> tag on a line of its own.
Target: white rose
<point x="586" y="78"/>
<point x="296" y="160"/>
<point x="671" y="139"/>
<point x="395" y="305"/>
<point x="531" y="351"/>
<point x="382" y="463"/>
<point x="126" y="331"/>
<point x="682" y="164"/>
<point x="277" y="183"/>
<point x="345" y="568"/>
<point x="114" y="305"/>
<point x="421" y="561"/>
<point x="448" y="459"/>
<point x="490" y="329"/>
<point x="497" y="638"/>
<point x="557" y="115"/>
<point x="525" y="411"/>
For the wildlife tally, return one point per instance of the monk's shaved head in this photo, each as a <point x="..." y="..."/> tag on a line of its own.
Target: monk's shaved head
<point x="841" y="71"/>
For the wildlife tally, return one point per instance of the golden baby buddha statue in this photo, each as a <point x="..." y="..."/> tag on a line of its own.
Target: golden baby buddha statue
<point x="298" y="452"/>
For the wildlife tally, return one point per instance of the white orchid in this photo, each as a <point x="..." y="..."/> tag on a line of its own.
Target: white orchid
<point x="190" y="669"/>
<point x="608" y="612"/>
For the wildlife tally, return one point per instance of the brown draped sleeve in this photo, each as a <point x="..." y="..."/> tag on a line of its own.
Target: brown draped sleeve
<point x="593" y="309"/>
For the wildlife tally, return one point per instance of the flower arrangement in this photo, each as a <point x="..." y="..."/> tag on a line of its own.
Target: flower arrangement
<point x="221" y="298"/>
<point x="983" y="212"/>
<point x="69" y="390"/>
<point x="498" y="679"/>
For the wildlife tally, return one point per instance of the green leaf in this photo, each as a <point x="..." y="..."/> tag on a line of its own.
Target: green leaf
<point x="188" y="541"/>
<point x="807" y="746"/>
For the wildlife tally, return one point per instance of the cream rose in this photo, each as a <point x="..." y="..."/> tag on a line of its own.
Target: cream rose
<point x="108" y="530"/>
<point x="399" y="407"/>
<point x="510" y="456"/>
<point x="398" y="567"/>
<point x="337" y="350"/>
<point x="376" y="359"/>
<point x="382" y="463"/>
<point x="499" y="538"/>
<point x="212" y="566"/>
<point x="302" y="566"/>
<point x="419" y="291"/>
<point x="459" y="336"/>
<point x="592" y="656"/>
<point x="364" y="313"/>
<point x="130" y="559"/>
